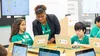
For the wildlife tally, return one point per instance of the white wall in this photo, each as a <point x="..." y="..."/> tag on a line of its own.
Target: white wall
<point x="5" y="35"/>
<point x="57" y="7"/>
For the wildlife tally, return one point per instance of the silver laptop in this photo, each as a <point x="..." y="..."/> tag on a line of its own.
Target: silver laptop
<point x="63" y="41"/>
<point x="40" y="41"/>
<point x="95" y="43"/>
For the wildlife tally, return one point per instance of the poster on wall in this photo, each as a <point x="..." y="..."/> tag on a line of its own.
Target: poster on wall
<point x="73" y="11"/>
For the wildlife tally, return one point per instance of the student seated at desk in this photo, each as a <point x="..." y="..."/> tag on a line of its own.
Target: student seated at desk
<point x="18" y="32"/>
<point x="95" y="31"/>
<point x="80" y="37"/>
<point x="3" y="51"/>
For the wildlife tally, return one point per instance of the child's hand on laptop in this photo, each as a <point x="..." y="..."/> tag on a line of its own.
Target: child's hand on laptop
<point x="75" y="45"/>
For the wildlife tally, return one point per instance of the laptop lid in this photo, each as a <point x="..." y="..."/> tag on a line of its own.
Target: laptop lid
<point x="48" y="52"/>
<point x="19" y="49"/>
<point x="95" y="43"/>
<point x="87" y="52"/>
<point x="11" y="45"/>
<point x="63" y="41"/>
<point x="40" y="40"/>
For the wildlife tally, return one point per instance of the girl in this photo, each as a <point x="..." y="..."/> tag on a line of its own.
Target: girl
<point x="18" y="32"/>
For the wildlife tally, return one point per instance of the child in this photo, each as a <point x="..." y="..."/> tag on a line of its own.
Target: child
<point x="80" y="37"/>
<point x="18" y="32"/>
<point x="95" y="31"/>
<point x="3" y="51"/>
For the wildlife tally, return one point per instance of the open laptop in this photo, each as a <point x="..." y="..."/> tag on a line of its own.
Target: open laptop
<point x="87" y="52"/>
<point x="19" y="49"/>
<point x="11" y="46"/>
<point x="48" y="52"/>
<point x="95" y="43"/>
<point x="63" y="41"/>
<point x="40" y="41"/>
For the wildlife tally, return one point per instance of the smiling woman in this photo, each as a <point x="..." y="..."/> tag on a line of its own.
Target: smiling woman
<point x="45" y="23"/>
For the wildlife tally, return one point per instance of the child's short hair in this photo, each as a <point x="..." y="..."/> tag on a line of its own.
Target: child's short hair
<point x="97" y="19"/>
<point x="80" y="26"/>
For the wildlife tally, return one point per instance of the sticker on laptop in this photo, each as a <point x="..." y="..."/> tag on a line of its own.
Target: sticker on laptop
<point x="96" y="44"/>
<point x="62" y="41"/>
<point x="40" y="41"/>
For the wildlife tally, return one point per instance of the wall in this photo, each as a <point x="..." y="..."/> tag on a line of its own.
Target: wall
<point x="5" y="35"/>
<point x="84" y="17"/>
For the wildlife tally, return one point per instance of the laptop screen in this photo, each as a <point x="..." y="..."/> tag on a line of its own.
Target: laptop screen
<point x="48" y="52"/>
<point x="88" y="52"/>
<point x="19" y="50"/>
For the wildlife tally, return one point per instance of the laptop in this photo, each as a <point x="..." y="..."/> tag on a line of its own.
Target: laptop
<point x="11" y="45"/>
<point x="63" y="41"/>
<point x="95" y="43"/>
<point x="19" y="49"/>
<point x="40" y="40"/>
<point x="48" y="52"/>
<point x="87" y="52"/>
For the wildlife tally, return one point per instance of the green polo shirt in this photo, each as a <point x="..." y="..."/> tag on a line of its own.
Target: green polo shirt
<point x="75" y="39"/>
<point x="25" y="38"/>
<point x="46" y="29"/>
<point x="95" y="31"/>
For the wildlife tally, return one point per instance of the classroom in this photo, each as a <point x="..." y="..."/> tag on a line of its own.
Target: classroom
<point x="49" y="28"/>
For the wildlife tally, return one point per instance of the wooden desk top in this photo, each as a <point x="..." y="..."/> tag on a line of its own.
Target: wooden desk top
<point x="69" y="52"/>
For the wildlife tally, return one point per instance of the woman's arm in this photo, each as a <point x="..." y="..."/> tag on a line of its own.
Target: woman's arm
<point x="56" y="24"/>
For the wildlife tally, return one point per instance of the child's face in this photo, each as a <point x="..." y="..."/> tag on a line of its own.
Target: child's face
<point x="98" y="24"/>
<point x="23" y="26"/>
<point x="79" y="33"/>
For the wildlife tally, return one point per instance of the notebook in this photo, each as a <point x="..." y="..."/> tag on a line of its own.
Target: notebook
<point x="95" y="43"/>
<point x="87" y="52"/>
<point x="19" y="49"/>
<point x="63" y="41"/>
<point x="48" y="52"/>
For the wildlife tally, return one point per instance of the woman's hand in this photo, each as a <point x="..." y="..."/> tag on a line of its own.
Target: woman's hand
<point x="51" y="40"/>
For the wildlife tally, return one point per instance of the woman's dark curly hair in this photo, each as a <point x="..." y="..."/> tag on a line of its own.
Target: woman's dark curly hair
<point x="39" y="9"/>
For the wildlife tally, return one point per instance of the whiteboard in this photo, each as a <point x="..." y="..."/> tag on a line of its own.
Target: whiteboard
<point x="91" y="6"/>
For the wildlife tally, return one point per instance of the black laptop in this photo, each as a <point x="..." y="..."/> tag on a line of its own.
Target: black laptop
<point x="87" y="52"/>
<point x="48" y="52"/>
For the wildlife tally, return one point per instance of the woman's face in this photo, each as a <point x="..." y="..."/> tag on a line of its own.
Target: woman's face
<point x="41" y="17"/>
<point x="79" y="33"/>
<point x="22" y="27"/>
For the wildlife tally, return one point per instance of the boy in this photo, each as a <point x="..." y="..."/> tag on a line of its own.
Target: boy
<point x="80" y="37"/>
<point x="95" y="31"/>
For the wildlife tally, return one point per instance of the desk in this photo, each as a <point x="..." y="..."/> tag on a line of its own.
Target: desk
<point x="52" y="46"/>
